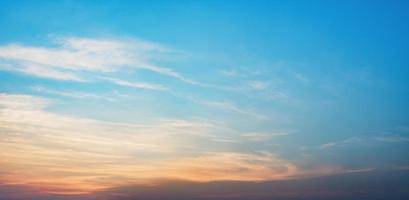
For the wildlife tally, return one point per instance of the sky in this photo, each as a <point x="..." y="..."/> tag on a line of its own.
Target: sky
<point x="292" y="100"/>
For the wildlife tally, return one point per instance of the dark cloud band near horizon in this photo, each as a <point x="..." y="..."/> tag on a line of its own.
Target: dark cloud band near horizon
<point x="370" y="185"/>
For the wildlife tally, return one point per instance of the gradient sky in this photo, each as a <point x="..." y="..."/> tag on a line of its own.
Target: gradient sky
<point x="204" y="100"/>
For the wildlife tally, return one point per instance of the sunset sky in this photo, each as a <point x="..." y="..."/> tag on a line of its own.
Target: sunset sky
<point x="107" y="100"/>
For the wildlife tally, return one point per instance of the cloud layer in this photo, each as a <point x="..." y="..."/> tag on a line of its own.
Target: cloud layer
<point x="54" y="152"/>
<point x="75" y="59"/>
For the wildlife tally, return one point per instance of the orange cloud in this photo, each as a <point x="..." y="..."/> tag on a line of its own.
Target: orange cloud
<point x="65" y="155"/>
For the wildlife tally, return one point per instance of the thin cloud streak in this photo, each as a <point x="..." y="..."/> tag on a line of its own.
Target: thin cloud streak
<point x="257" y="136"/>
<point x="76" y="55"/>
<point x="227" y="106"/>
<point x="366" y="140"/>
<point x="72" y="94"/>
<point x="140" y="85"/>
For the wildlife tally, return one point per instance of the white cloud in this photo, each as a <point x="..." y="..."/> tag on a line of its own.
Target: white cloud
<point x="72" y="94"/>
<point x="341" y="143"/>
<point x="231" y="73"/>
<point x="228" y="106"/>
<point x="140" y="85"/>
<point x="259" y="85"/>
<point x="50" y="73"/>
<point x="18" y="102"/>
<point x="74" y="55"/>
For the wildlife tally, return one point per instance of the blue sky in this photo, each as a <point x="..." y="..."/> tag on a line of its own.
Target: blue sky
<point x="282" y="89"/>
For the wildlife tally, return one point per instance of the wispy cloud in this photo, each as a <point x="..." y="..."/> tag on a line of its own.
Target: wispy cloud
<point x="259" y="85"/>
<point x="341" y="143"/>
<point x="140" y="85"/>
<point x="234" y="166"/>
<point x="55" y="152"/>
<point x="72" y="94"/>
<point x="50" y="73"/>
<point x="26" y="102"/>
<point x="257" y="136"/>
<point x="366" y="140"/>
<point x="302" y="78"/>
<point x="228" y="106"/>
<point x="71" y="56"/>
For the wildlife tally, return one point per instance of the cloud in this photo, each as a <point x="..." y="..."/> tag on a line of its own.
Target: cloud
<point x="140" y="85"/>
<point x="365" y="184"/>
<point x="22" y="102"/>
<point x="341" y="143"/>
<point x="366" y="140"/>
<point x="72" y="94"/>
<point x="231" y="73"/>
<point x="302" y="78"/>
<point x="50" y="73"/>
<point x="54" y="153"/>
<point x="233" y="166"/>
<point x="256" y="136"/>
<point x="259" y="85"/>
<point x="228" y="106"/>
<point x="69" y="57"/>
